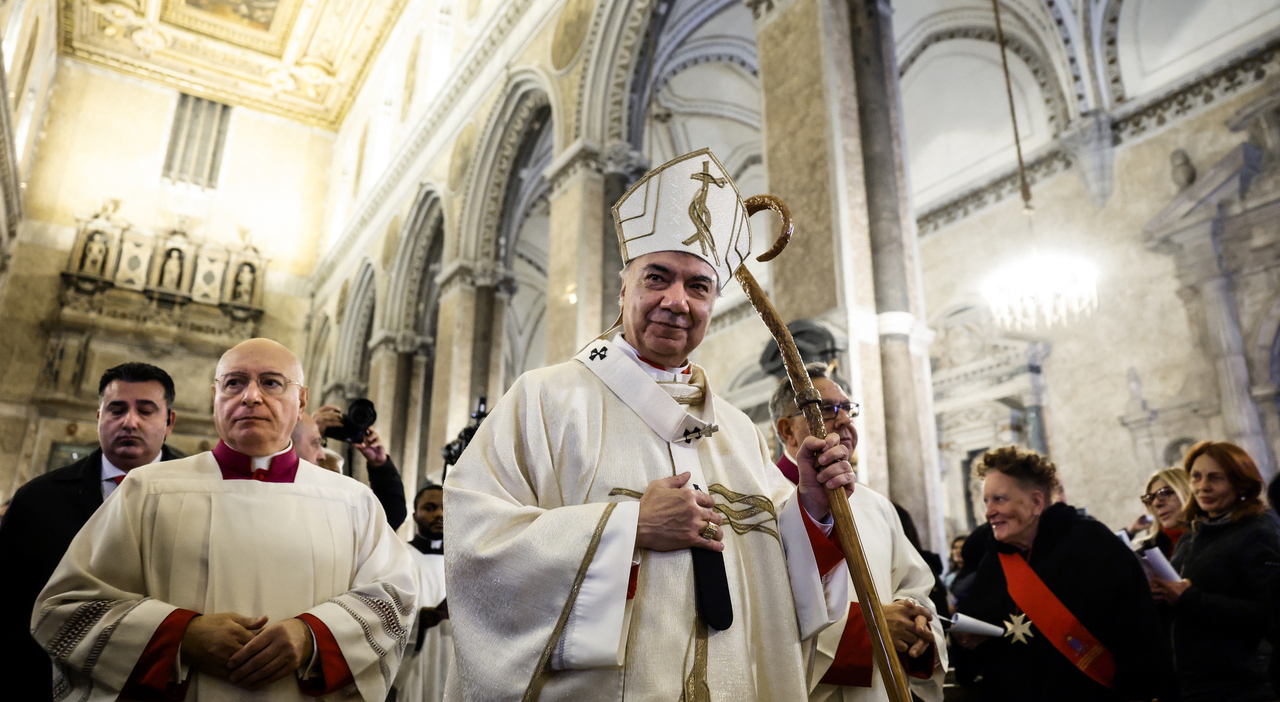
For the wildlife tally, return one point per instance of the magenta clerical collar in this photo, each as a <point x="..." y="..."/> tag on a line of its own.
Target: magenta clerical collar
<point x="238" y="466"/>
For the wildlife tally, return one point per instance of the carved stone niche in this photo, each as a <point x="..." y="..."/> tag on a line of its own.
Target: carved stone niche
<point x="96" y="252"/>
<point x="168" y="288"/>
<point x="172" y="264"/>
<point x="988" y="392"/>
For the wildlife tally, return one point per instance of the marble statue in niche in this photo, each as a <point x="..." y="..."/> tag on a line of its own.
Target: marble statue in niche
<point x="171" y="271"/>
<point x="242" y="293"/>
<point x="94" y="257"/>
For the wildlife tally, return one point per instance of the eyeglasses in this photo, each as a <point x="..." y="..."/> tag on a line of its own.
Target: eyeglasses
<point x="273" y="384"/>
<point x="1163" y="493"/>
<point x="829" y="410"/>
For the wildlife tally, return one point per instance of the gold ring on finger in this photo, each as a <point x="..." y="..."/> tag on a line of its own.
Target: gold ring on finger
<point x="709" y="532"/>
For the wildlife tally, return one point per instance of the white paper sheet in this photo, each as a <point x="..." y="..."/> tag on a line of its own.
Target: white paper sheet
<point x="1157" y="566"/>
<point x="963" y="624"/>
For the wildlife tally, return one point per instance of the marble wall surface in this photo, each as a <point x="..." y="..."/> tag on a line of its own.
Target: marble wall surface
<point x="1141" y="322"/>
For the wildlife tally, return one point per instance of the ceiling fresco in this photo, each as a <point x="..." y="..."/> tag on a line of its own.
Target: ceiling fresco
<point x="300" y="59"/>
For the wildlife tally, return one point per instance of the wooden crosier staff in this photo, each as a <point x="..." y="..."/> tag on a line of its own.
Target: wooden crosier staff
<point x="808" y="400"/>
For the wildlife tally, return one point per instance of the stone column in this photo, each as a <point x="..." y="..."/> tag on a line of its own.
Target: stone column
<point x="574" y="276"/>
<point x="416" y="409"/>
<point x="909" y="425"/>
<point x="451" y="377"/>
<point x="383" y="367"/>
<point x="1201" y="272"/>
<point x="623" y="166"/>
<point x="851" y="200"/>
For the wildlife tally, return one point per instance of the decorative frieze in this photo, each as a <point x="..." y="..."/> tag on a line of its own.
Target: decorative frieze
<point x="1182" y="102"/>
<point x="992" y="191"/>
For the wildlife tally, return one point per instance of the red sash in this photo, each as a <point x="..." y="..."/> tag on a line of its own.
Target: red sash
<point x="1056" y="622"/>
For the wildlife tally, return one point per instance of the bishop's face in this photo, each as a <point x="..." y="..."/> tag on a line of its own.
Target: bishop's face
<point x="667" y="298"/>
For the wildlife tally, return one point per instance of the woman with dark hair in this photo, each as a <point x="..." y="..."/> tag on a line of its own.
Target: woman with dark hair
<point x="1079" y="619"/>
<point x="1229" y="565"/>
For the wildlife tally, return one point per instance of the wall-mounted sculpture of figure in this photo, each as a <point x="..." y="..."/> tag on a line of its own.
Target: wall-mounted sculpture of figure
<point x="94" y="257"/>
<point x="243" y="292"/>
<point x="171" y="272"/>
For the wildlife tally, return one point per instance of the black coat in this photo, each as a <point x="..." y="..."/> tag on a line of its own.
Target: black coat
<point x="1220" y="621"/>
<point x="1100" y="581"/>
<point x="44" y="517"/>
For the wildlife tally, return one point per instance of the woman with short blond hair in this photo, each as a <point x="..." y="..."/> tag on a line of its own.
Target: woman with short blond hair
<point x="1166" y="497"/>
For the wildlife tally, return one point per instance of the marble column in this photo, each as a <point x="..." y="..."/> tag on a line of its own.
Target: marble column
<point x="623" y="166"/>
<point x="451" y="376"/>
<point x="416" y="409"/>
<point x="574" y="276"/>
<point x="839" y="165"/>
<point x="383" y="367"/>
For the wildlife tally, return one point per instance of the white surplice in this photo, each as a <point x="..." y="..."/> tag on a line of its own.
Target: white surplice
<point x="177" y="535"/>
<point x="422" y="674"/>
<point x="899" y="573"/>
<point x="543" y="510"/>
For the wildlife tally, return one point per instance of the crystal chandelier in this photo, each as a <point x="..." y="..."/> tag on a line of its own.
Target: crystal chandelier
<point x="1045" y="288"/>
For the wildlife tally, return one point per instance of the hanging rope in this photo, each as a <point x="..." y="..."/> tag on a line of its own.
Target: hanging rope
<point x="1008" y="86"/>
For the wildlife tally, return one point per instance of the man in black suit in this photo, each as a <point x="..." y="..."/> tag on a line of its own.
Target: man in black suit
<point x="135" y="414"/>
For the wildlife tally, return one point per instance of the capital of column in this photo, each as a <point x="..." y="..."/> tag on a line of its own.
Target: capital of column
<point x="581" y="157"/>
<point x="620" y="159"/>
<point x="400" y="342"/>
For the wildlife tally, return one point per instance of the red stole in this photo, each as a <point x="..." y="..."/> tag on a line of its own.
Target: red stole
<point x="1059" y="626"/>
<point x="237" y="466"/>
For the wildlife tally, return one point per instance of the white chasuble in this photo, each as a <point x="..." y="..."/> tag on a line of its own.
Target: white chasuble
<point x="422" y="674"/>
<point x="177" y="535"/>
<point x="542" y="512"/>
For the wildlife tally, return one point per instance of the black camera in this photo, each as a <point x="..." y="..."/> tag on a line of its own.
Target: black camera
<point x="452" y="451"/>
<point x="355" y="423"/>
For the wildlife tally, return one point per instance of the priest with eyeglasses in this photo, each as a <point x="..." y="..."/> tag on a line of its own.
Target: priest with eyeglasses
<point x="238" y="570"/>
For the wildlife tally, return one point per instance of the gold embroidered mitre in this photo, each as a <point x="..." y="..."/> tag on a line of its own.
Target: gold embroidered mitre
<point x="689" y="205"/>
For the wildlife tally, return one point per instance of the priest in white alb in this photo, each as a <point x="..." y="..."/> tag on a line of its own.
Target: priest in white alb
<point x="239" y="573"/>
<point x="616" y="531"/>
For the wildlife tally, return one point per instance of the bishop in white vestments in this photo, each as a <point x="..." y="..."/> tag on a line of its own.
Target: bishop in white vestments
<point x="237" y="574"/>
<point x="616" y="531"/>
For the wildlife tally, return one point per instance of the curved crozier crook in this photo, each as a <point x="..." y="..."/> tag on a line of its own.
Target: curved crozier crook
<point x="758" y="203"/>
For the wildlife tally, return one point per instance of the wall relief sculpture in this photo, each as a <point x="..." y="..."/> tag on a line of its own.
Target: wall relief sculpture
<point x="124" y="278"/>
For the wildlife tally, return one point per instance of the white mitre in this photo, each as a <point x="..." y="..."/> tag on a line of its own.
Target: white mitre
<point x="690" y="205"/>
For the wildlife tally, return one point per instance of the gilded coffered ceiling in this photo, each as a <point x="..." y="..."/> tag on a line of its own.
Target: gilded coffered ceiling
<point x="301" y="59"/>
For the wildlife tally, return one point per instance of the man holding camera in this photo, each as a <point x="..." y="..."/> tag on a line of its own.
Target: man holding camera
<point x="384" y="477"/>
